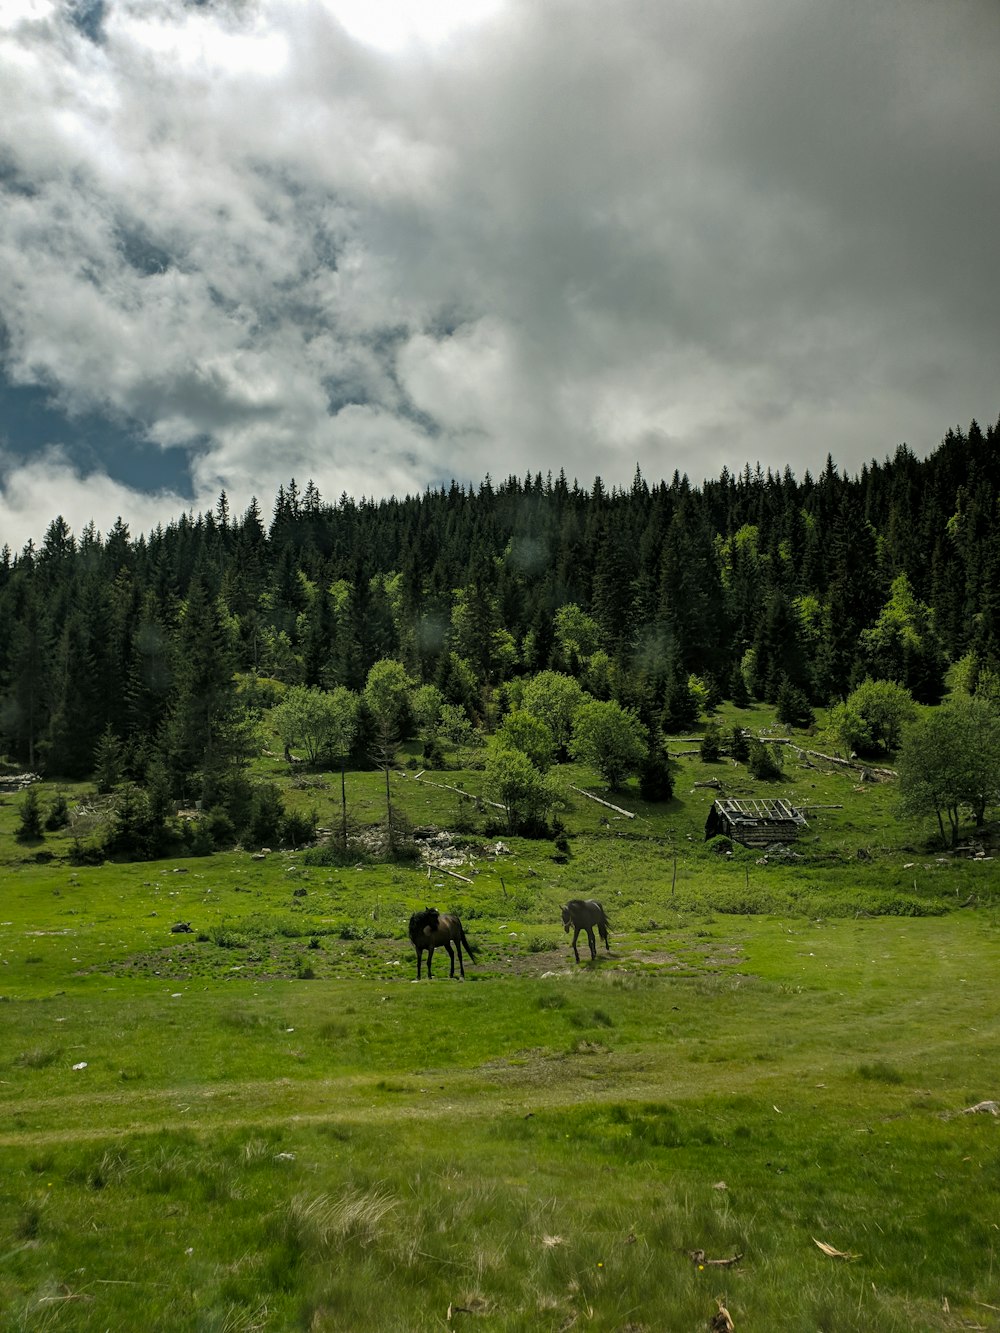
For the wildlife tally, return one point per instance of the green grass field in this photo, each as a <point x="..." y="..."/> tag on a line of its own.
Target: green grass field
<point x="265" y="1125"/>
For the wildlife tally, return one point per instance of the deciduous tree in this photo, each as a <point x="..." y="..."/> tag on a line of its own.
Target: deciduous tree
<point x="872" y="717"/>
<point x="610" y="738"/>
<point x="950" y="760"/>
<point x="512" y="780"/>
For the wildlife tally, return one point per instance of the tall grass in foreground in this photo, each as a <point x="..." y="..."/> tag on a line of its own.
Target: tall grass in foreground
<point x="583" y="1215"/>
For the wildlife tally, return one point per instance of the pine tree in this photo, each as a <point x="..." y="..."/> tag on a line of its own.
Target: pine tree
<point x="29" y="817"/>
<point x="25" y="712"/>
<point x="203" y="693"/>
<point x="108" y="761"/>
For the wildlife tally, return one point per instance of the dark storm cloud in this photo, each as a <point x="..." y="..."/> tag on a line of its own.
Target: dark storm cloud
<point x="576" y="235"/>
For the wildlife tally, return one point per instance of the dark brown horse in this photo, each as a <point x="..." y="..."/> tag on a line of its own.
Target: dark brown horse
<point x="585" y="915"/>
<point x="431" y="928"/>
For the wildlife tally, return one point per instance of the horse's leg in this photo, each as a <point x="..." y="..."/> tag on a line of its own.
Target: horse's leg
<point x="590" y="941"/>
<point x="576" y="936"/>
<point x="451" y="956"/>
<point x="420" y="954"/>
<point x="604" y="936"/>
<point x="461" y="965"/>
<point x="430" y="955"/>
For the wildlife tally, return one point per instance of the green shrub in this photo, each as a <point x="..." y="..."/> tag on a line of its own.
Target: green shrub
<point x="220" y="827"/>
<point x="764" y="761"/>
<point x="298" y="827"/>
<point x="227" y="938"/>
<point x="328" y="854"/>
<point x="29" y="814"/>
<point x="656" y="782"/>
<point x="89" y="853"/>
<point x="739" y="744"/>
<point x="793" y="706"/>
<point x="58" y="815"/>
<point x="198" y="838"/>
<point x="711" y="744"/>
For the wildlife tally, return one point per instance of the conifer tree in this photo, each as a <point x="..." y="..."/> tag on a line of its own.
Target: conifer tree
<point x="108" y="761"/>
<point x="203" y="694"/>
<point x="24" y="712"/>
<point x="30" y="827"/>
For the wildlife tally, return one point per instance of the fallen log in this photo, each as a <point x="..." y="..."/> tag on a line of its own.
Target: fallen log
<point x="834" y="759"/>
<point x="446" y="786"/>
<point x="629" y="814"/>
<point x="443" y="870"/>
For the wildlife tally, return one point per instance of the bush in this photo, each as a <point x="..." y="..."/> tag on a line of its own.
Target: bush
<point x="86" y="853"/>
<point x="220" y="826"/>
<point x="793" y="706"/>
<point x="739" y="745"/>
<point x="227" y="938"/>
<point x="738" y="691"/>
<point x="764" y="761"/>
<point x="198" y="837"/>
<point x="29" y="827"/>
<point x="298" y="828"/>
<point x="433" y="754"/>
<point x="711" y="744"/>
<point x="611" y="739"/>
<point x="58" y="816"/>
<point x="267" y="813"/>
<point x="655" y="780"/>
<point x="513" y="781"/>
<point x="720" y="845"/>
<point x="132" y="831"/>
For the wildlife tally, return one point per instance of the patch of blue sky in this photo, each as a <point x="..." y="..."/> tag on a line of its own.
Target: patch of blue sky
<point x="30" y="423"/>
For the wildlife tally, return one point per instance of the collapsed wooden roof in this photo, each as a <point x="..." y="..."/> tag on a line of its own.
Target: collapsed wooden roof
<point x="755" y="823"/>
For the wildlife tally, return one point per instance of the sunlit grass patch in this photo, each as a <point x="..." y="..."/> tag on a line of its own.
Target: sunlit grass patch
<point x="38" y="1057"/>
<point x="880" y="1071"/>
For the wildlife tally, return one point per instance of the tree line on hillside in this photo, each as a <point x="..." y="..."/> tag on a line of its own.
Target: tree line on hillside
<point x="158" y="651"/>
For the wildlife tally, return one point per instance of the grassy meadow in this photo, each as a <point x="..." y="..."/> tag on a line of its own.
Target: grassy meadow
<point x="265" y="1125"/>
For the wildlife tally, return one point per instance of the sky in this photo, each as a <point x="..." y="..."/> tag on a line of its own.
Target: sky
<point x="385" y="244"/>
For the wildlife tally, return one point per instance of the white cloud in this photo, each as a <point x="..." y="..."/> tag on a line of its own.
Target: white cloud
<point x="392" y="25"/>
<point x="51" y="485"/>
<point x="507" y="237"/>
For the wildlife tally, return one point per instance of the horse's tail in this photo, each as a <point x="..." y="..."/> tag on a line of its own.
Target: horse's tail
<point x="471" y="951"/>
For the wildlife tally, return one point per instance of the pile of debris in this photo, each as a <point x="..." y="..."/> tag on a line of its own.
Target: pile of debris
<point x="438" y="849"/>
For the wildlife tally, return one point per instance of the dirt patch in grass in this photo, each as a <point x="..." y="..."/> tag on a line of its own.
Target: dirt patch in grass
<point x="280" y="958"/>
<point x="274" y="959"/>
<point x="695" y="959"/>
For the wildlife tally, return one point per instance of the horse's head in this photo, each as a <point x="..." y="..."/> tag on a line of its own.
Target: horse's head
<point x="566" y="919"/>
<point x="423" y="923"/>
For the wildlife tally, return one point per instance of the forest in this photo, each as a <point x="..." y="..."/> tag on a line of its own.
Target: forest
<point x="151" y="658"/>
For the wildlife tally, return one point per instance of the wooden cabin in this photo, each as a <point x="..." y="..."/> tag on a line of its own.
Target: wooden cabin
<point x="755" y="823"/>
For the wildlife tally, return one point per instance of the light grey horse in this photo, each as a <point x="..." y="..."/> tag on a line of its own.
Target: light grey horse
<point x="585" y="915"/>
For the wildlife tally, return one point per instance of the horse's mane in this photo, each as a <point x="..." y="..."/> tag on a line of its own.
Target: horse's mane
<point x="425" y="920"/>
